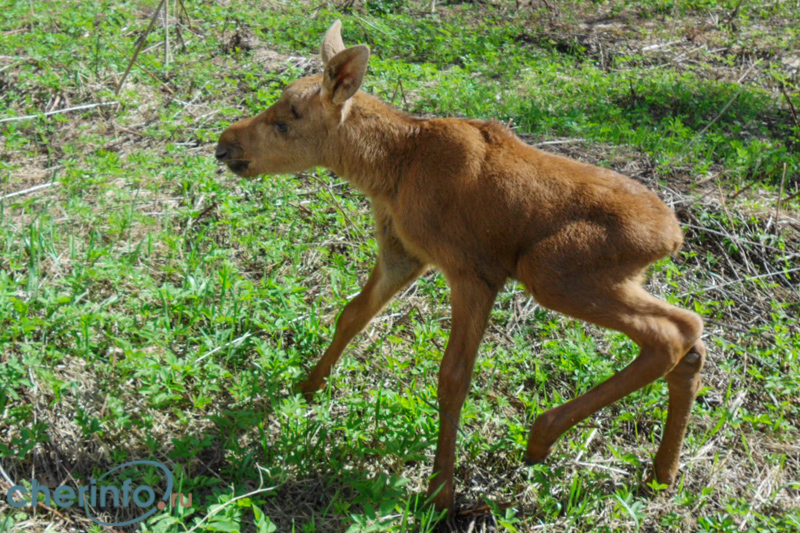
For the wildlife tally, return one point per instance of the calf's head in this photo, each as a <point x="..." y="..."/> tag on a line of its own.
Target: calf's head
<point x="293" y="134"/>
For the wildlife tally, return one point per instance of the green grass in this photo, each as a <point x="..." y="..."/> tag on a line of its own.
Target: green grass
<point x="153" y="306"/>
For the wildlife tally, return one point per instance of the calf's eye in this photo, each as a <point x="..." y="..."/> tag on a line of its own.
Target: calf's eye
<point x="281" y="127"/>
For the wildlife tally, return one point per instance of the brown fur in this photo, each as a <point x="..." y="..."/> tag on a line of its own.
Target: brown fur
<point x="470" y="198"/>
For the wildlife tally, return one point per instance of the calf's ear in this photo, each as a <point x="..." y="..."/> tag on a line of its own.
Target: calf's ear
<point x="344" y="73"/>
<point x="332" y="43"/>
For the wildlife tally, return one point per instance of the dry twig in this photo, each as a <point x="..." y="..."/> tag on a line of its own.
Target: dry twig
<point x="742" y="280"/>
<point x="139" y="46"/>
<point x="29" y="190"/>
<point x="778" y="203"/>
<point x="58" y="111"/>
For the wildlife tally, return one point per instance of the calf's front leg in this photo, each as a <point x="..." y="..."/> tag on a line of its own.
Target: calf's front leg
<point x="394" y="270"/>
<point x="472" y="302"/>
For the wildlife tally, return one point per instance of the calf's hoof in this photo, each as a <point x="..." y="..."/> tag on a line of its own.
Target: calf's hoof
<point x="307" y="389"/>
<point x="664" y="479"/>
<point x="537" y="453"/>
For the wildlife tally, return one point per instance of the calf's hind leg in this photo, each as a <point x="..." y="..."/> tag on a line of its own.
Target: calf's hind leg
<point x="669" y="341"/>
<point x="684" y="383"/>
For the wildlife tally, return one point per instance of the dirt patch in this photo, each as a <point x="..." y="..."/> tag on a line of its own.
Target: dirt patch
<point x="242" y="40"/>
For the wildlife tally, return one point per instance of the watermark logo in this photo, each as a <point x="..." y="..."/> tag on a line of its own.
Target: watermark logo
<point x="96" y="496"/>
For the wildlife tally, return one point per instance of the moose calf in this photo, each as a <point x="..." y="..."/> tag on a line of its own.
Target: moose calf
<point x="472" y="199"/>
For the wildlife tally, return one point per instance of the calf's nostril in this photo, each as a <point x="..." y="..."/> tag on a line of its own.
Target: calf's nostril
<point x="221" y="152"/>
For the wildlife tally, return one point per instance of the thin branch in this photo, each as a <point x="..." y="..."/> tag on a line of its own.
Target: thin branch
<point x="724" y="108"/>
<point x="739" y="239"/>
<point x="5" y="475"/>
<point x="763" y="176"/>
<point x="778" y="203"/>
<point x="28" y="191"/>
<point x="229" y="502"/>
<point x="57" y="111"/>
<point x="750" y="278"/>
<point x="562" y="141"/>
<point x="139" y="46"/>
<point x="8" y="66"/>
<point x="146" y="71"/>
<point x="337" y="204"/>
<point x="586" y="444"/>
<point x="791" y="105"/>
<point x="732" y="15"/>
<point x="447" y="416"/>
<point x="188" y="18"/>
<point x="41" y="505"/>
<point x="601" y="467"/>
<point x="234" y="342"/>
<point x="166" y="37"/>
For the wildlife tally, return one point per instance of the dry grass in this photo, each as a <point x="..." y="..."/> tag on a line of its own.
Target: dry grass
<point x="736" y="246"/>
